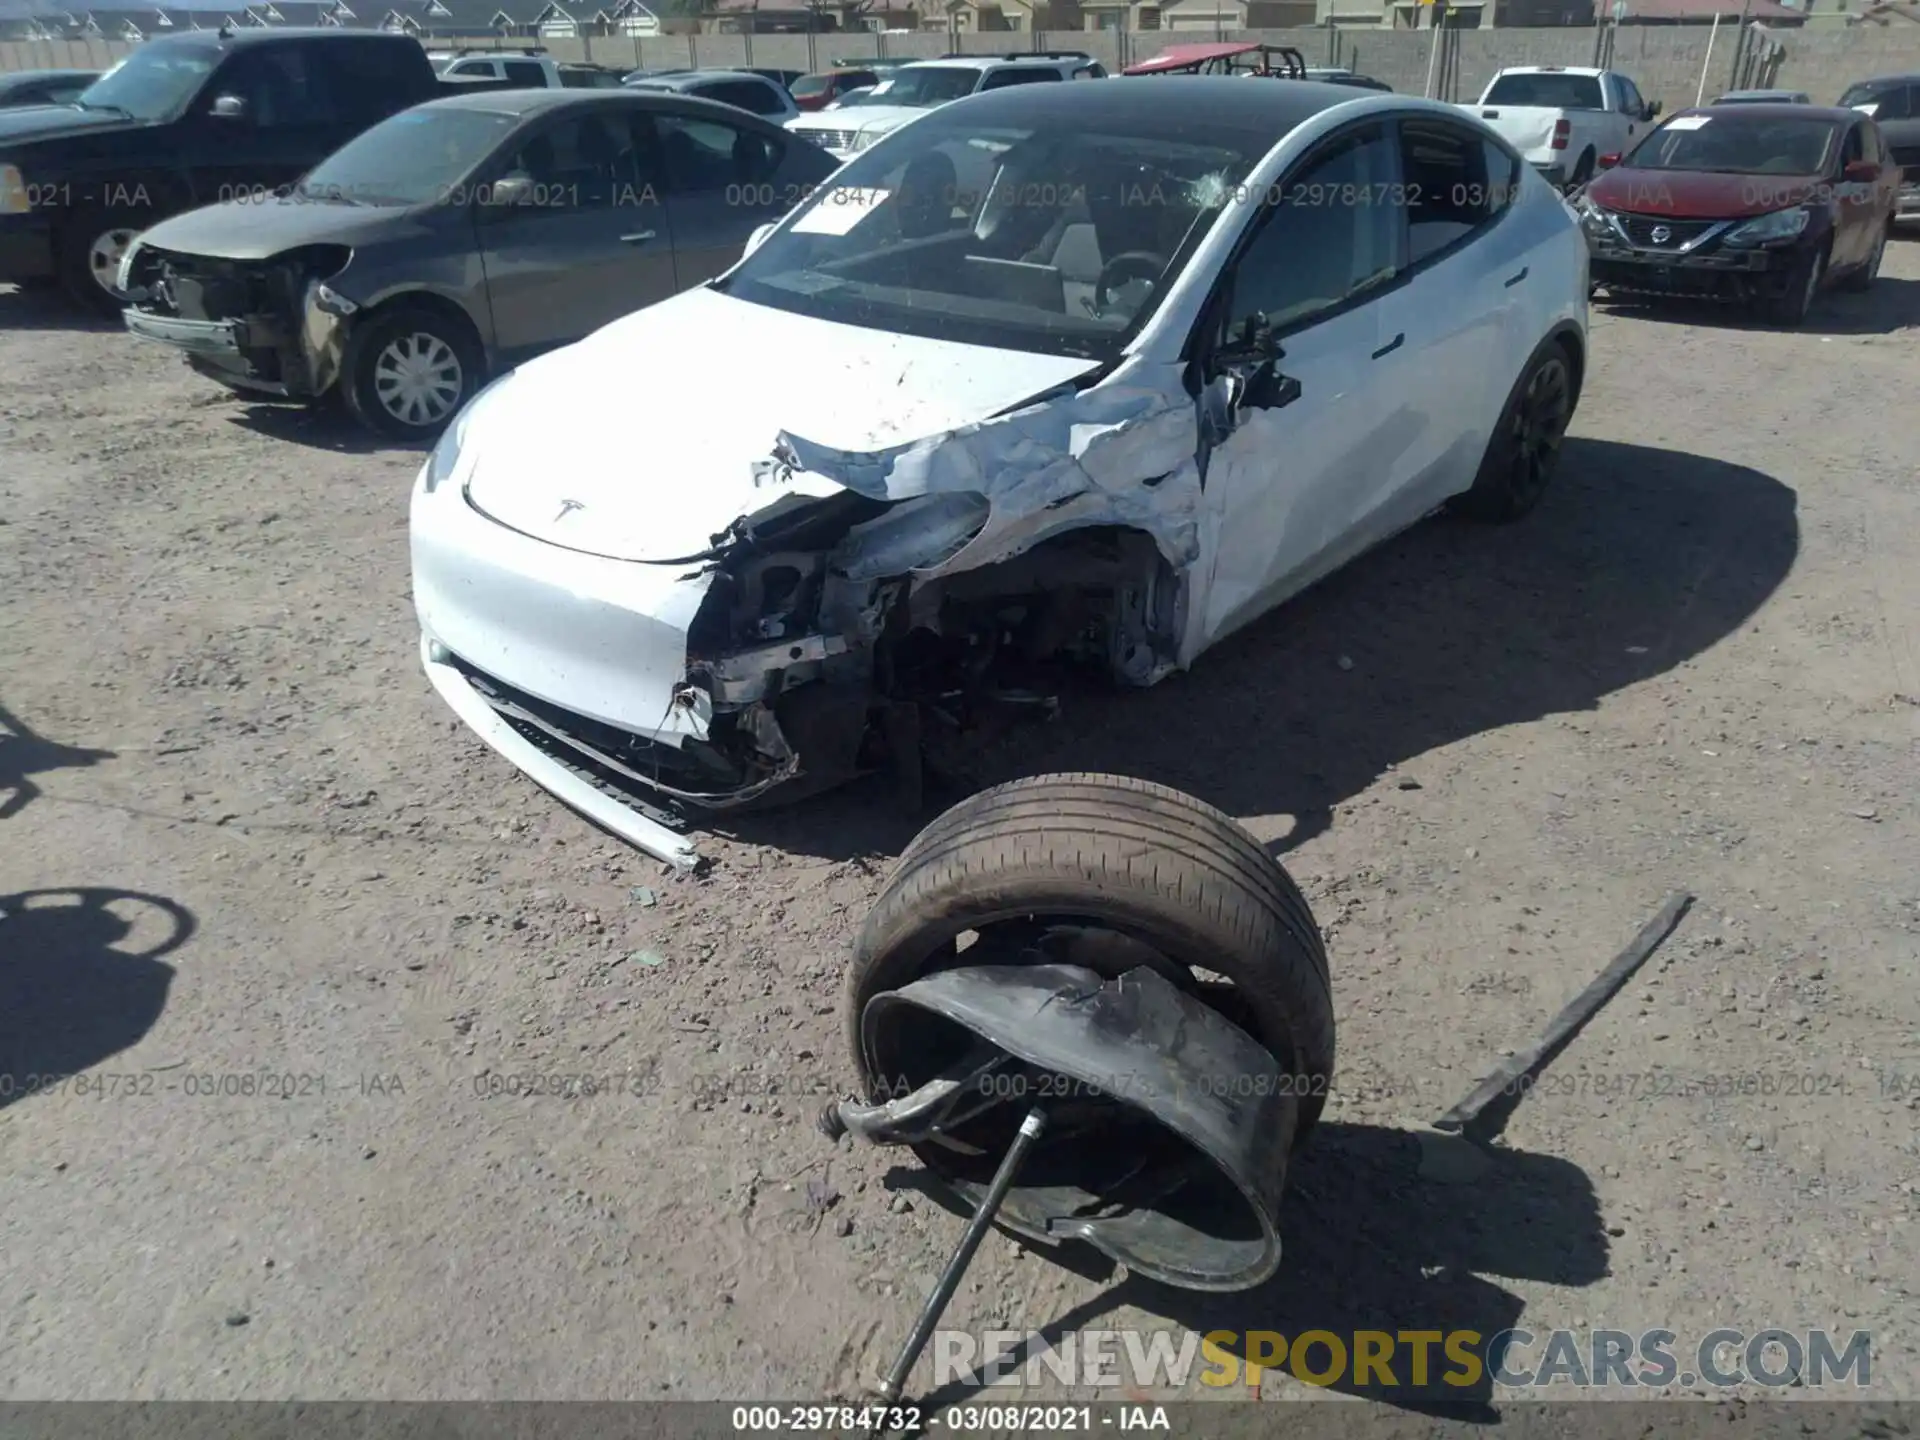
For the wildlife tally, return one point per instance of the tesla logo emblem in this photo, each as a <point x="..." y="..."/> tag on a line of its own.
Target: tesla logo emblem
<point x="567" y="507"/>
<point x="1661" y="234"/>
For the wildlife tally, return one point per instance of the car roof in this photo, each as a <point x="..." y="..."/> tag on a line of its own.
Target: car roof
<point x="982" y="62"/>
<point x="1588" y="70"/>
<point x="1910" y="77"/>
<point x="258" y="35"/>
<point x="1172" y="103"/>
<point x="519" y="102"/>
<point x="11" y="75"/>
<point x="1776" y="109"/>
<point x="696" y="77"/>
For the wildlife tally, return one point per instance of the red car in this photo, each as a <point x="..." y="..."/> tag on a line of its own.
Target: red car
<point x="1762" y="204"/>
<point x="816" y="92"/>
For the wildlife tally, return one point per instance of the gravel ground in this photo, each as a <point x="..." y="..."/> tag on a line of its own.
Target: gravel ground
<point x="1486" y="754"/>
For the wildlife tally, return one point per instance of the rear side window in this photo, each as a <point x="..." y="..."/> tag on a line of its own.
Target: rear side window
<point x="703" y="155"/>
<point x="1095" y="71"/>
<point x="1548" y="91"/>
<point x="526" y="74"/>
<point x="1890" y="99"/>
<point x="372" y="79"/>
<point x="754" y="96"/>
<point x="473" y="67"/>
<point x="1449" y="191"/>
<point x="1025" y="75"/>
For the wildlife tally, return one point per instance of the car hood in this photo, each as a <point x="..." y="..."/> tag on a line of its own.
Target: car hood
<point x="261" y="229"/>
<point x="51" y="122"/>
<point x="1700" y="194"/>
<point x="859" y="117"/>
<point x="643" y="441"/>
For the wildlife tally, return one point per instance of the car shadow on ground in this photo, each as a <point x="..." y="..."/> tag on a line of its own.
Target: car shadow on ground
<point x="1892" y="305"/>
<point x="47" y="308"/>
<point x="1370" y="1244"/>
<point x="322" y="426"/>
<point x="23" y="755"/>
<point x="81" y="979"/>
<point x="1638" y="560"/>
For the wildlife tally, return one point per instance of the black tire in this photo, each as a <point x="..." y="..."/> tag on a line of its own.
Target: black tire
<point x="1146" y="861"/>
<point x="1582" y="172"/>
<point x="384" y="339"/>
<point x="1524" y="449"/>
<point x="1862" y="277"/>
<point x="81" y="262"/>
<point x="1803" y="289"/>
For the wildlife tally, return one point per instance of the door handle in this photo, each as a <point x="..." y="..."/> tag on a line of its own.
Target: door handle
<point x="1513" y="280"/>
<point x="639" y="237"/>
<point x="1392" y="345"/>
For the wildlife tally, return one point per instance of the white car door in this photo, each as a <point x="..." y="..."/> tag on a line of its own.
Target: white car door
<point x="1280" y="465"/>
<point x="1453" y="316"/>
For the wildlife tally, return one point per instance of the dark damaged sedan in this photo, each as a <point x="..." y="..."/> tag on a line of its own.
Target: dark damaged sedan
<point x="1761" y="204"/>
<point x="457" y="239"/>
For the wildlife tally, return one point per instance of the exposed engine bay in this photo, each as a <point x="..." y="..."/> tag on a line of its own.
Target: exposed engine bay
<point x="819" y="652"/>
<point x="257" y="325"/>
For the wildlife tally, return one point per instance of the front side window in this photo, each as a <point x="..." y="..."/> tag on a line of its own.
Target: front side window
<point x="1025" y="75"/>
<point x="1736" y="143"/>
<point x="1331" y="233"/>
<point x="1059" y="240"/>
<point x="280" y="88"/>
<point x="1547" y="91"/>
<point x="527" y="74"/>
<point x="1890" y="99"/>
<point x="583" y="162"/>
<point x="1448" y="187"/>
<point x="703" y="154"/>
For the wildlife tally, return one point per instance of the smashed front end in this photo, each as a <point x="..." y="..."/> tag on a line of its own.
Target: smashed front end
<point x="265" y="327"/>
<point x="877" y="607"/>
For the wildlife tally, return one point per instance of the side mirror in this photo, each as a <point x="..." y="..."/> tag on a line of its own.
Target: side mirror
<point x="1860" y="172"/>
<point x="514" y="188"/>
<point x="1607" y="162"/>
<point x="760" y="233"/>
<point x="1653" y="108"/>
<point x="1255" y="346"/>
<point x="228" y="107"/>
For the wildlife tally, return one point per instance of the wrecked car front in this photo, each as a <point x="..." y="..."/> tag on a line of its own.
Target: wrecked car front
<point x="259" y="291"/>
<point x="668" y="570"/>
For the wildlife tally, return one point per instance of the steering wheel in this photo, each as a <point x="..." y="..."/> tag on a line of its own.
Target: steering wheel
<point x="1130" y="265"/>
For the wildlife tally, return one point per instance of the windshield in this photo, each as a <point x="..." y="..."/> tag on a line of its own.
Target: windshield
<point x="415" y="158"/>
<point x="1746" y="145"/>
<point x="926" y="85"/>
<point x="1001" y="236"/>
<point x="155" y="82"/>
<point x="1548" y="92"/>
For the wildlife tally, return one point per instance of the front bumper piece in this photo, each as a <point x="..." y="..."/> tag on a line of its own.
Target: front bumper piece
<point x="1695" y="266"/>
<point x="569" y="786"/>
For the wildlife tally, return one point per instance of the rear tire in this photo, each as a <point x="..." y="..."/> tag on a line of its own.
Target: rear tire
<point x="1582" y="172"/>
<point x="406" y="371"/>
<point x="1524" y="450"/>
<point x="1113" y="853"/>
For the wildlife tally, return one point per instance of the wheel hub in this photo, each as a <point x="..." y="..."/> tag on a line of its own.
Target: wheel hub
<point x="417" y="379"/>
<point x="104" y="257"/>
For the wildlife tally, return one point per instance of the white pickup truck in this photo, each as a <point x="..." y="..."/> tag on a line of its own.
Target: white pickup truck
<point x="1563" y="118"/>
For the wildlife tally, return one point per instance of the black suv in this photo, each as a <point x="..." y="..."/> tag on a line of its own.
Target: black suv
<point x="184" y="121"/>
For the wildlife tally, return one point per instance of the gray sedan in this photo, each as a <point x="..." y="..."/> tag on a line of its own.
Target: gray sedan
<point x="458" y="238"/>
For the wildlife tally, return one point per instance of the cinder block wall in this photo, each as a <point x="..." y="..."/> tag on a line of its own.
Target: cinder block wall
<point x="1665" y="61"/>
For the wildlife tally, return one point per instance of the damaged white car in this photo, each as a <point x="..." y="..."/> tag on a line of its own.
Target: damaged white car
<point x="1073" y="373"/>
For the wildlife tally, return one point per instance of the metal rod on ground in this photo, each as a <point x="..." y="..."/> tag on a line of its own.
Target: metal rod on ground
<point x="1576" y="1014"/>
<point x="1700" y="95"/>
<point x="949" y="1281"/>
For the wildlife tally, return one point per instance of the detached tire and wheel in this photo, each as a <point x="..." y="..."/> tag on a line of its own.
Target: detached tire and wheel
<point x="1524" y="450"/>
<point x="1169" y="880"/>
<point x="87" y="254"/>
<point x="406" y="371"/>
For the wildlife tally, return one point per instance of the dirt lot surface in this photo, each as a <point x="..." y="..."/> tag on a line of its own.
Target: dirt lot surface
<point x="1487" y="754"/>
